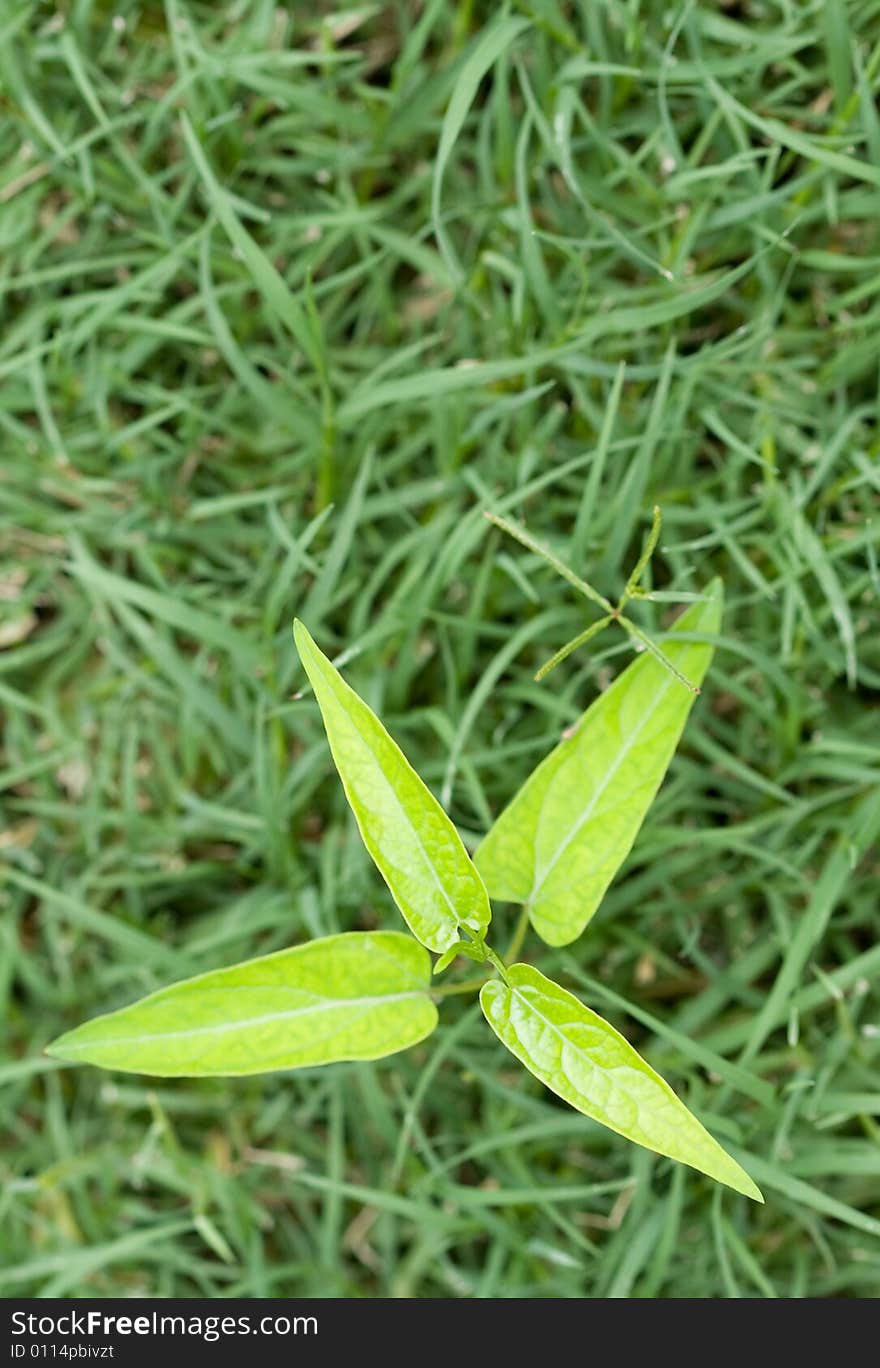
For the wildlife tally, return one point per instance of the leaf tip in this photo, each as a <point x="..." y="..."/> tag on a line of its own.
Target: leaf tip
<point x="302" y="637"/>
<point x="734" y="1176"/>
<point x="749" y="1188"/>
<point x="58" y="1048"/>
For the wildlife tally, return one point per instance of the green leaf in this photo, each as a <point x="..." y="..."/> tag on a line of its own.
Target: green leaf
<point x="472" y="950"/>
<point x="560" y="842"/>
<point x="582" y="1059"/>
<point x="356" y="996"/>
<point x="418" y="851"/>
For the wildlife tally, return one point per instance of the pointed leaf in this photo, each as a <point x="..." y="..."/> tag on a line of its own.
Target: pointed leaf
<point x="418" y="851"/>
<point x="360" y="995"/>
<point x="577" y="1055"/>
<point x="560" y="842"/>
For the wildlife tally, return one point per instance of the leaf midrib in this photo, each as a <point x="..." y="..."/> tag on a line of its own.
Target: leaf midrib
<point x="710" y="1152"/>
<point x="458" y="920"/>
<point x="596" y="1114"/>
<point x="547" y="870"/>
<point x="223" y="1028"/>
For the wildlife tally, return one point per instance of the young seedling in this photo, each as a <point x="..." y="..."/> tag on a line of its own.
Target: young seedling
<point x="554" y="850"/>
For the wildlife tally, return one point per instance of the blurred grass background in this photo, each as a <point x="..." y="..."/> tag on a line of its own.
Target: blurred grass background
<point x="290" y="295"/>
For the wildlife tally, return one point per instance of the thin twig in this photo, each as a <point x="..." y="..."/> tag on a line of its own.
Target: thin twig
<point x="527" y="540"/>
<point x="572" y="645"/>
<point x="652" y="646"/>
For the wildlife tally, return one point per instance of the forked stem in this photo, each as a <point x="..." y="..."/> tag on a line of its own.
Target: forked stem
<point x="527" y="540"/>
<point x="473" y="985"/>
<point x="612" y="614"/>
<point x="641" y="565"/>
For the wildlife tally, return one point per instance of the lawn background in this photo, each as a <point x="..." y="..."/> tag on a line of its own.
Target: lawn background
<point x="290" y="296"/>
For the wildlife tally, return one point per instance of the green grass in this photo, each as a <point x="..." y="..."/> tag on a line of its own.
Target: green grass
<point x="286" y="305"/>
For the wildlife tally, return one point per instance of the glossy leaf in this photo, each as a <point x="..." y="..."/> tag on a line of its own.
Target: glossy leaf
<point x="577" y="1055"/>
<point x="355" y="996"/>
<point x="560" y="842"/>
<point x="418" y="851"/>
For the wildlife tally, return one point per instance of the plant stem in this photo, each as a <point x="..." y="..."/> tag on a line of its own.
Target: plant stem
<point x="655" y="650"/>
<point x="519" y="931"/>
<point x="632" y="590"/>
<point x="572" y="645"/>
<point x="647" y="552"/>
<point x="497" y="961"/>
<point x="527" y="540"/>
<point x="472" y="985"/>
